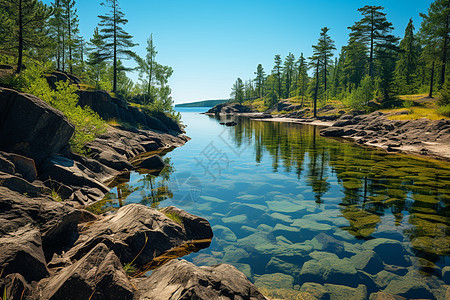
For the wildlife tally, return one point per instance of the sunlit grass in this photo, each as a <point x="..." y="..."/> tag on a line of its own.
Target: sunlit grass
<point x="414" y="113"/>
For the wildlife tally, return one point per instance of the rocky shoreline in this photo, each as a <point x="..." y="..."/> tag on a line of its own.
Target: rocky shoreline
<point x="52" y="248"/>
<point x="423" y="137"/>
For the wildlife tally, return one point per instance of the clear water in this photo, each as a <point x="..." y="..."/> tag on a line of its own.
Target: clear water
<point x="283" y="200"/>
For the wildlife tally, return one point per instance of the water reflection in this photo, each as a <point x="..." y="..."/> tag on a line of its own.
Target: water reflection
<point x="374" y="183"/>
<point x="293" y="202"/>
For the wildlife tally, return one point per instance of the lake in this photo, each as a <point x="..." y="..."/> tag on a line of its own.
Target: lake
<point x="290" y="207"/>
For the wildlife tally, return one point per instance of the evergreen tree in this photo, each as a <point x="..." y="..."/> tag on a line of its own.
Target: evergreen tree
<point x="288" y="70"/>
<point x="435" y="32"/>
<point x="259" y="80"/>
<point x="25" y="24"/>
<point x="115" y="37"/>
<point x="373" y="30"/>
<point x="71" y="25"/>
<point x="97" y="52"/>
<point x="276" y="71"/>
<point x="354" y="61"/>
<point x="408" y="55"/>
<point x="324" y="49"/>
<point x="302" y="77"/>
<point x="237" y="92"/>
<point x="56" y="24"/>
<point x="148" y="67"/>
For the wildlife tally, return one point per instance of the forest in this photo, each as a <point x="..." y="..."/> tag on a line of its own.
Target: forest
<point x="368" y="73"/>
<point x="37" y="39"/>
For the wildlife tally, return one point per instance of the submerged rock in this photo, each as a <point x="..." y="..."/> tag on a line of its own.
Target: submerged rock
<point x="390" y="251"/>
<point x="367" y="261"/>
<point x="179" y="279"/>
<point x="345" y="292"/>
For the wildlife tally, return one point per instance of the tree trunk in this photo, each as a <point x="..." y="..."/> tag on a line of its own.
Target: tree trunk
<point x="445" y="48"/>
<point x="431" y="81"/>
<point x="69" y="29"/>
<point x="20" y="49"/>
<point x="316" y="89"/>
<point x="371" y="47"/>
<point x="115" y="50"/>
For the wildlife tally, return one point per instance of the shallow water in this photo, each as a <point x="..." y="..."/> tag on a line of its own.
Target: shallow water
<point x="283" y="200"/>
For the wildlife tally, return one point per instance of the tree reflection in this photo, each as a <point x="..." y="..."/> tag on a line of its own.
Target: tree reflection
<point x="372" y="182"/>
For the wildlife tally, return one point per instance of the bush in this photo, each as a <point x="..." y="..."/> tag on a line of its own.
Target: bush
<point x="87" y="123"/>
<point x="444" y="110"/>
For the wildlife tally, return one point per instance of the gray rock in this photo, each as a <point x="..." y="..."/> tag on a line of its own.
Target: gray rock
<point x="390" y="251"/>
<point x="126" y="232"/>
<point x="14" y="286"/>
<point x="70" y="172"/>
<point x="329" y="243"/>
<point x="151" y="163"/>
<point x="446" y="274"/>
<point x="98" y="275"/>
<point x="346" y="292"/>
<point x="329" y="270"/>
<point x="19" y="185"/>
<point x="385" y="296"/>
<point x="22" y="253"/>
<point x="56" y="222"/>
<point x="30" y="127"/>
<point x="179" y="279"/>
<point x="411" y="287"/>
<point x="224" y="233"/>
<point x="367" y="261"/>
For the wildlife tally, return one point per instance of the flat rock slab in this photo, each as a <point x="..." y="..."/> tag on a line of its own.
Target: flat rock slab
<point x="180" y="279"/>
<point x="139" y="233"/>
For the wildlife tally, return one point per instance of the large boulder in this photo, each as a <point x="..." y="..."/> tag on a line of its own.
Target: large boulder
<point x="22" y="253"/>
<point x="31" y="127"/>
<point x="98" y="275"/>
<point x="57" y="223"/>
<point x="180" y="279"/>
<point x="70" y="172"/>
<point x="139" y="233"/>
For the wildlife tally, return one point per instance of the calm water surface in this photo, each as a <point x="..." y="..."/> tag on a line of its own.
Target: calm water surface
<point x="288" y="207"/>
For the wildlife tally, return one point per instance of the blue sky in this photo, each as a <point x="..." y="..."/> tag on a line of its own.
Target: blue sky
<point x="211" y="43"/>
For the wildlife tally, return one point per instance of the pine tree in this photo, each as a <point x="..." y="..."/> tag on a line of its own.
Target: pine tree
<point x="26" y="22"/>
<point x="148" y="67"/>
<point x="302" y="77"/>
<point x="237" y="92"/>
<point x="324" y="49"/>
<point x="435" y="32"/>
<point x="96" y="58"/>
<point x="276" y="71"/>
<point x="115" y="37"/>
<point x="259" y="80"/>
<point x="408" y="56"/>
<point x="288" y="70"/>
<point x="373" y="30"/>
<point x="354" y="61"/>
<point x="71" y="24"/>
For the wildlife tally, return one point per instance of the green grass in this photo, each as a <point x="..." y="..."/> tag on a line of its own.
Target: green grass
<point x="174" y="217"/>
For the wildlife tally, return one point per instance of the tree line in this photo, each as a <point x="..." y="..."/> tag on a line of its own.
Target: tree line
<point x="374" y="64"/>
<point x="50" y="34"/>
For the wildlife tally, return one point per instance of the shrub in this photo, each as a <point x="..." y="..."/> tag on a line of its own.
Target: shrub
<point x="87" y="123"/>
<point x="444" y="110"/>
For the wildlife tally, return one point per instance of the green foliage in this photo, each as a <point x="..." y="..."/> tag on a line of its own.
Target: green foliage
<point x="55" y="196"/>
<point x="87" y="123"/>
<point x="129" y="269"/>
<point x="361" y="97"/>
<point x="444" y="97"/>
<point x="237" y="92"/>
<point x="444" y="110"/>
